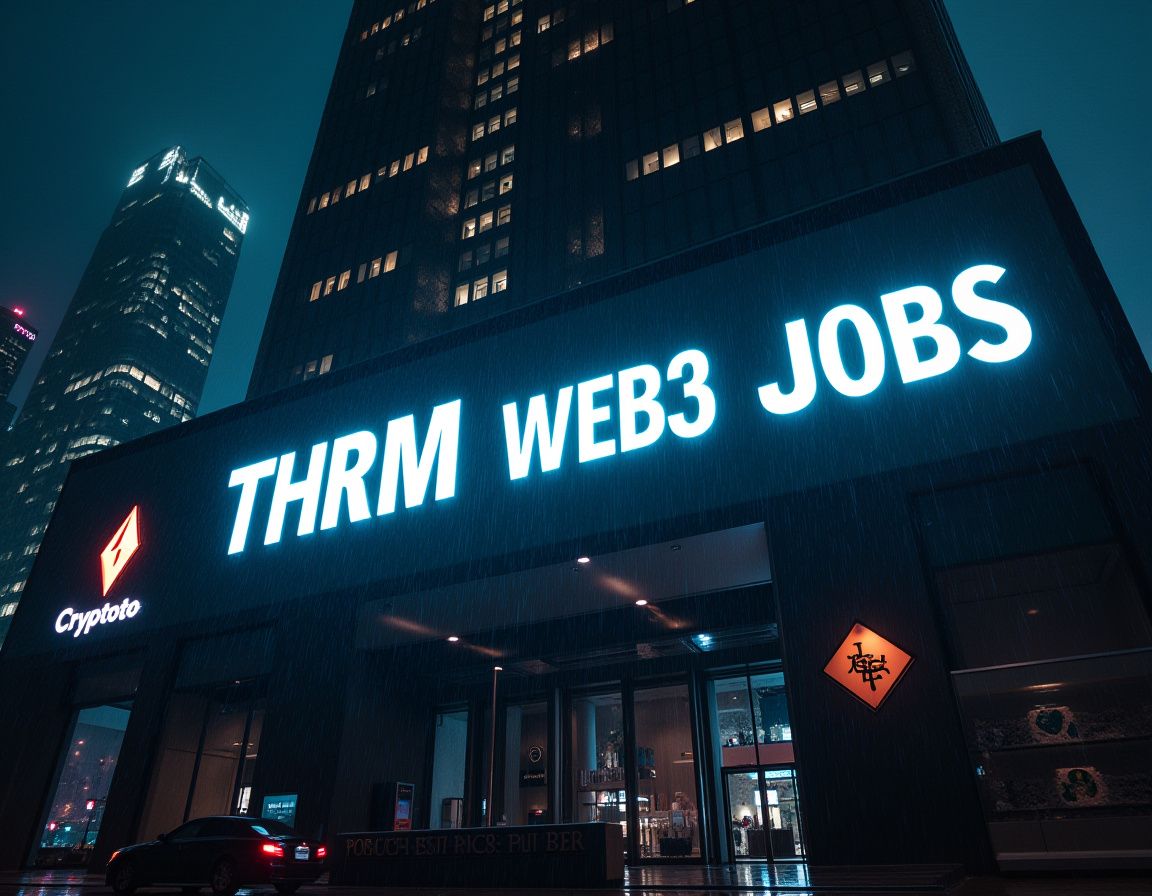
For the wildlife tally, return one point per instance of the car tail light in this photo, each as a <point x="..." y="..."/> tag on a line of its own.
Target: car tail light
<point x="321" y="852"/>
<point x="273" y="849"/>
<point x="112" y="857"/>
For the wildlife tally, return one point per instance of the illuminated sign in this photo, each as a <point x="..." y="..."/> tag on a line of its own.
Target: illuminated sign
<point x="113" y="559"/>
<point x="21" y="330"/>
<point x="137" y="175"/>
<point x="867" y="665"/>
<point x="120" y="549"/>
<point x="199" y="193"/>
<point x="171" y="157"/>
<point x="631" y="409"/>
<point x="233" y="214"/>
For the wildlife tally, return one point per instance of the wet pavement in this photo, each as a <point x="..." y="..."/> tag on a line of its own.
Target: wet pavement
<point x="686" y="880"/>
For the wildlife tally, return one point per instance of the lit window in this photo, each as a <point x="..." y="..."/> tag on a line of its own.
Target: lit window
<point x="878" y="74"/>
<point x="461" y="294"/>
<point x="336" y="194"/>
<point x="591" y="42"/>
<point x="574" y="48"/>
<point x="504" y="215"/>
<point x="761" y="119"/>
<point x="365" y="181"/>
<point x="502" y="6"/>
<point x="394" y="168"/>
<point x="502" y="247"/>
<point x="513" y="62"/>
<point x="514" y="84"/>
<point x="480" y="288"/>
<point x="514" y="39"/>
<point x="505" y="184"/>
<point x="690" y="147"/>
<point x="465" y="261"/>
<point x="371" y="91"/>
<point x="312" y="205"/>
<point x="345" y="279"/>
<point x="485" y="222"/>
<point x="324" y="201"/>
<point x="490" y="162"/>
<point x="408" y="160"/>
<point x="733" y="130"/>
<point x="783" y="111"/>
<point x="510" y="117"/>
<point x="489" y="12"/>
<point x="903" y="63"/>
<point x="325" y="364"/>
<point x="481" y="100"/>
<point x="508" y="154"/>
<point x="671" y="156"/>
<point x="350" y="188"/>
<point x="361" y="273"/>
<point x="631" y="170"/>
<point x="497" y="92"/>
<point x="501" y="46"/>
<point x="471" y="198"/>
<point x="711" y="140"/>
<point x="315" y="294"/>
<point x="806" y="102"/>
<point x="829" y="93"/>
<point x="473" y="168"/>
<point x="500" y="281"/>
<point x="478" y="131"/>
<point x="329" y="285"/>
<point x="374" y="271"/>
<point x="390" y="261"/>
<point x="469" y="229"/>
<point x="543" y="24"/>
<point x="651" y="162"/>
<point x="853" y="82"/>
<point x="607" y="33"/>
<point x="497" y="69"/>
<point x="517" y="18"/>
<point x="482" y="77"/>
<point x="493" y="124"/>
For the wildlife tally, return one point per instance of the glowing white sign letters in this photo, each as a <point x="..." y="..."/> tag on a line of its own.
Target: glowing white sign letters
<point x="82" y="623"/>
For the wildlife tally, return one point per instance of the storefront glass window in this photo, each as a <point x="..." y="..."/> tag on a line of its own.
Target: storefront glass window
<point x="526" y="764"/>
<point x="666" y="774"/>
<point x="86" y="772"/>
<point x="449" y="760"/>
<point x="597" y="724"/>
<point x="752" y="720"/>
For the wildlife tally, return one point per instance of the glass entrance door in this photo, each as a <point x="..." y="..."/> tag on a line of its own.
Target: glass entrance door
<point x="764" y="814"/>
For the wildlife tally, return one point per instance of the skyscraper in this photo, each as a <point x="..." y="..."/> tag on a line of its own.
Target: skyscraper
<point x="474" y="157"/>
<point x="132" y="352"/>
<point x="16" y="340"/>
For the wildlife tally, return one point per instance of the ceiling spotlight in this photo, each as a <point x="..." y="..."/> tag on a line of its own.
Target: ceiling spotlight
<point x="583" y="559"/>
<point x="452" y="639"/>
<point x="641" y="603"/>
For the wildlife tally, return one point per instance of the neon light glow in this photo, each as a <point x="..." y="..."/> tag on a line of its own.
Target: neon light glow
<point x="238" y="218"/>
<point x="351" y="459"/>
<point x="908" y="336"/>
<point x="23" y="331"/>
<point x="120" y="549"/>
<point x="82" y="623"/>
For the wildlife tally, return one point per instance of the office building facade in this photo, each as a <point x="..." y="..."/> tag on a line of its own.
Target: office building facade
<point x="132" y="353"/>
<point x="17" y="341"/>
<point x="821" y="537"/>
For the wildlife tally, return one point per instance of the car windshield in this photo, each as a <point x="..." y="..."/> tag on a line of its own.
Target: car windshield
<point x="270" y="828"/>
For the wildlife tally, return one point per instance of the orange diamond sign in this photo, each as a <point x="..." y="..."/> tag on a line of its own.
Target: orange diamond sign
<point x="120" y="549"/>
<point x="868" y="665"/>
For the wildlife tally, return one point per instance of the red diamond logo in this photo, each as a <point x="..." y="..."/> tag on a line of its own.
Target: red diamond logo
<point x="120" y="549"/>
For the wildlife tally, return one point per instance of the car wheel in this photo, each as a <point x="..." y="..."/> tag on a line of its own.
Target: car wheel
<point x="124" y="878"/>
<point x="287" y="889"/>
<point x="224" y="878"/>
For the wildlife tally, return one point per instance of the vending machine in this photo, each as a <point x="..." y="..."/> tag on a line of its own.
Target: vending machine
<point x="391" y="808"/>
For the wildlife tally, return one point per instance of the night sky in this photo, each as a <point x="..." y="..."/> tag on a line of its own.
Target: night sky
<point x="93" y="89"/>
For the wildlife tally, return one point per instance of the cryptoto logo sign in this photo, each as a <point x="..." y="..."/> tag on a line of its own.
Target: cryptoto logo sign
<point x="113" y="560"/>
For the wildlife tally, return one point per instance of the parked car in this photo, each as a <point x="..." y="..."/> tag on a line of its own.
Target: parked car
<point x="222" y="852"/>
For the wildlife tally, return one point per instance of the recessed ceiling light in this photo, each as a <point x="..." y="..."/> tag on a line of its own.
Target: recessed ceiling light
<point x="641" y="603"/>
<point x="452" y="639"/>
<point x="583" y="559"/>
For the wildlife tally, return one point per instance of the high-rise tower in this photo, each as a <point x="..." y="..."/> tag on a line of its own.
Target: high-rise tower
<point x="132" y="352"/>
<point x="474" y="157"/>
<point x="17" y="337"/>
